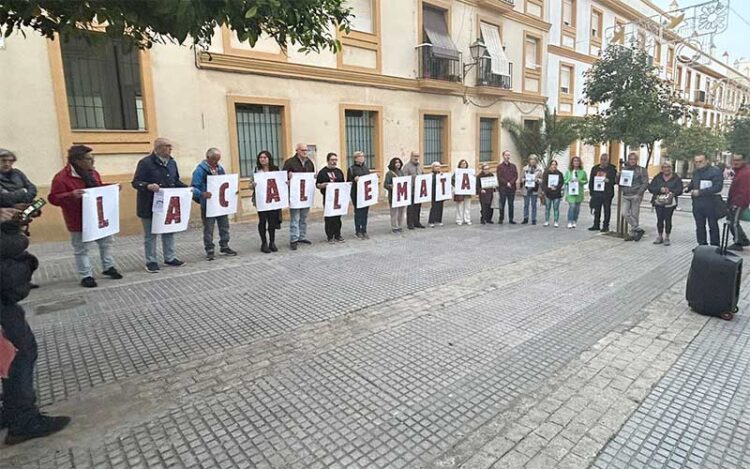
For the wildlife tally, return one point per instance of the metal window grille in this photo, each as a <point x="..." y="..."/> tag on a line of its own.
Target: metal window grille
<point x="258" y="128"/>
<point x="485" y="139"/>
<point x="360" y="134"/>
<point x="103" y="84"/>
<point x="433" y="139"/>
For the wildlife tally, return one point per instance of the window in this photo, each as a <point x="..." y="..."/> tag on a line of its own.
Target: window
<point x="440" y="61"/>
<point x="360" y="135"/>
<point x="434" y="139"/>
<point x="532" y="124"/>
<point x="363" y="15"/>
<point x="566" y="90"/>
<point x="678" y="77"/>
<point x="670" y="57"/>
<point x="487" y="135"/>
<point x="532" y="74"/>
<point x="103" y="85"/>
<point x="688" y="79"/>
<point x="535" y="7"/>
<point x="568" y="15"/>
<point x="596" y="24"/>
<point x="259" y="127"/>
<point x="532" y="53"/>
<point x="657" y="52"/>
<point x="566" y="79"/>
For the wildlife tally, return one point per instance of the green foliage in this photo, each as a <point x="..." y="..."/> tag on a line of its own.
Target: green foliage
<point x="637" y="107"/>
<point x="307" y="23"/>
<point x="738" y="137"/>
<point x="694" y="140"/>
<point x="547" y="141"/>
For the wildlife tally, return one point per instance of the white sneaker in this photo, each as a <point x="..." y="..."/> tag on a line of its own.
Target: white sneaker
<point x="574" y="224"/>
<point x="557" y="225"/>
<point x="432" y="225"/>
<point x="459" y="223"/>
<point x="546" y="223"/>
<point x="440" y="224"/>
<point x="468" y="223"/>
<point x="570" y="225"/>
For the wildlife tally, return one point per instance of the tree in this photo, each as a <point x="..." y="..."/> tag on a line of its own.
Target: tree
<point x="637" y="107"/>
<point x="738" y="137"/>
<point x="142" y="23"/>
<point x="693" y="140"/>
<point x="546" y="141"/>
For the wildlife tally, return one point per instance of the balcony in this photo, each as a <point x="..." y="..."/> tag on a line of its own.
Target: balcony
<point x="485" y="77"/>
<point x="432" y="67"/>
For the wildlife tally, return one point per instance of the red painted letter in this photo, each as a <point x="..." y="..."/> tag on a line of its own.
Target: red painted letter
<point x="442" y="184"/>
<point x="401" y="191"/>
<point x="368" y="190"/>
<point x="223" y="195"/>
<point x="173" y="211"/>
<point x="336" y="202"/>
<point x="423" y="189"/>
<point x="302" y="191"/>
<point x="465" y="183"/>
<point x="103" y="223"/>
<point x="272" y="192"/>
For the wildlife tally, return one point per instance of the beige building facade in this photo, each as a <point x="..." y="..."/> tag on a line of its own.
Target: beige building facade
<point x="404" y="81"/>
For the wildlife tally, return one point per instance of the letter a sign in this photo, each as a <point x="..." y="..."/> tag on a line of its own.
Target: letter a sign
<point x="223" y="189"/>
<point x="466" y="182"/>
<point x="271" y="191"/>
<point x="171" y="210"/>
<point x="101" y="212"/>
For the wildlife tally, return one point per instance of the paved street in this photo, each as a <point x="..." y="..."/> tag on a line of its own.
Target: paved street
<point x="459" y="346"/>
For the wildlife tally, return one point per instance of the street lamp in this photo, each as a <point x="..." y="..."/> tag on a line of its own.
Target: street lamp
<point x="477" y="50"/>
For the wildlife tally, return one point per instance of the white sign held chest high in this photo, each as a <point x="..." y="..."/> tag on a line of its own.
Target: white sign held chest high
<point x="368" y="190"/>
<point x="626" y="177"/>
<point x="301" y="190"/>
<point x="423" y="188"/>
<point x="271" y="191"/>
<point x="101" y="212"/>
<point x="466" y="182"/>
<point x="401" y="191"/>
<point x="223" y="189"/>
<point x="443" y="188"/>
<point x="171" y="210"/>
<point x="337" y="198"/>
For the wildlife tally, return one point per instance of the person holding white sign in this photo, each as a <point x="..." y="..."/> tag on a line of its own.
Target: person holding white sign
<point x="299" y="163"/>
<point x="359" y="168"/>
<point x="398" y="214"/>
<point x="269" y="220"/>
<point x="435" y="216"/>
<point x="705" y="189"/>
<point x="602" y="180"/>
<point x="552" y="185"/>
<point x="67" y="191"/>
<point x="575" y="181"/>
<point x="463" y="201"/>
<point x="211" y="167"/>
<point x="155" y="172"/>
<point x="633" y="184"/>
<point x="487" y="183"/>
<point x="532" y="177"/>
<point x="331" y="174"/>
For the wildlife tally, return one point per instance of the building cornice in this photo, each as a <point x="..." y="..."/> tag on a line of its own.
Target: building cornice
<point x="571" y="54"/>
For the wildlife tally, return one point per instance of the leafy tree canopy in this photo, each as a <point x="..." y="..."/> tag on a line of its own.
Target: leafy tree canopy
<point x="307" y="23"/>
<point x="694" y="140"/>
<point x="738" y="136"/>
<point x="546" y="141"/>
<point x="636" y="106"/>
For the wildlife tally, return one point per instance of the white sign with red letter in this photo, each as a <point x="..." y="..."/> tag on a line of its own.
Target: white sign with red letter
<point x="101" y="212"/>
<point x="301" y="190"/>
<point x="368" y="190"/>
<point x="171" y="210"/>
<point x="466" y="182"/>
<point x="271" y="190"/>
<point x="443" y="189"/>
<point x="401" y="192"/>
<point x="223" y="189"/>
<point x="337" y="198"/>
<point x="423" y="188"/>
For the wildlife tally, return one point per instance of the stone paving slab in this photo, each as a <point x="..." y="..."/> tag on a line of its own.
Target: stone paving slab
<point x="407" y="363"/>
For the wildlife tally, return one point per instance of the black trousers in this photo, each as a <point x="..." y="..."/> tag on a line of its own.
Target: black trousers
<point x="509" y="199"/>
<point x="738" y="233"/>
<point x="19" y="398"/>
<point x="664" y="219"/>
<point x="486" y="209"/>
<point x="704" y="211"/>
<point x="268" y="220"/>
<point x="436" y="213"/>
<point x="412" y="215"/>
<point x="333" y="227"/>
<point x="599" y="202"/>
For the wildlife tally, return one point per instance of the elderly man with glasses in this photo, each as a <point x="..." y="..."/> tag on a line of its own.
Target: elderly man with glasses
<point x="13" y="183"/>
<point x="299" y="163"/>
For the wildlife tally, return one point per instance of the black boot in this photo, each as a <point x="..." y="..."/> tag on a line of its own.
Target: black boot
<point x="272" y="240"/>
<point x="36" y="427"/>
<point x="264" y="243"/>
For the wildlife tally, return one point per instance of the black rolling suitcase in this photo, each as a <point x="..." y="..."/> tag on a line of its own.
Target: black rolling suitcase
<point x="713" y="283"/>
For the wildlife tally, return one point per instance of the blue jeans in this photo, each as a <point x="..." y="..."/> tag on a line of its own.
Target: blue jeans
<point x="298" y="224"/>
<point x="19" y="398"/>
<point x="80" y="251"/>
<point x="208" y="230"/>
<point x="360" y="219"/>
<point x="574" y="208"/>
<point x="529" y="199"/>
<point x="552" y="205"/>
<point x="149" y="244"/>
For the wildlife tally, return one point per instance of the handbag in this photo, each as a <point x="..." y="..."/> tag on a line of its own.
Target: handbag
<point x="7" y="354"/>
<point x="664" y="200"/>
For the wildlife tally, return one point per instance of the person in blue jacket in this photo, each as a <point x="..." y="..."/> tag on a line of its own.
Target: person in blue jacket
<point x="705" y="190"/>
<point x="155" y="171"/>
<point x="208" y="167"/>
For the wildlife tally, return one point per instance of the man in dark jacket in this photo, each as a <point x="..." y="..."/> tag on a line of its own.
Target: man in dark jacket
<point x="704" y="188"/>
<point x="157" y="170"/>
<point x="739" y="200"/>
<point x="507" y="175"/>
<point x="13" y="182"/>
<point x="632" y="187"/>
<point x="299" y="163"/>
<point x="359" y="168"/>
<point x="602" y="198"/>
<point x="19" y="413"/>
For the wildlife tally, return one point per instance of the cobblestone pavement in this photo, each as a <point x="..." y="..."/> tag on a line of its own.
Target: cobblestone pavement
<point x="472" y="346"/>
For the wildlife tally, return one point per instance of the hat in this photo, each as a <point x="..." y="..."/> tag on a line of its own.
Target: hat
<point x="78" y="150"/>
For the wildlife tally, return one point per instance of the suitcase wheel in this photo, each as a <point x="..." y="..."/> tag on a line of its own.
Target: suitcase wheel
<point x="727" y="316"/>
